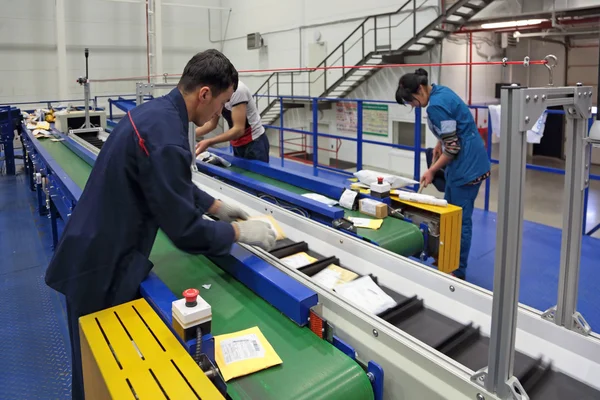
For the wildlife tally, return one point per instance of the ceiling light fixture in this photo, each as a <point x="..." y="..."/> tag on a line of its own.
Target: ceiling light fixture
<point x="512" y="24"/>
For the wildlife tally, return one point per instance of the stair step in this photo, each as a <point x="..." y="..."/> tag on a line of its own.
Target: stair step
<point x="383" y="47"/>
<point x="475" y="7"/>
<point x="463" y="15"/>
<point x="457" y="23"/>
<point x="444" y="31"/>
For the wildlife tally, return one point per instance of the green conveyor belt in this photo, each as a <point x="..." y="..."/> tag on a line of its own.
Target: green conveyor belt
<point x="312" y="368"/>
<point x="394" y="235"/>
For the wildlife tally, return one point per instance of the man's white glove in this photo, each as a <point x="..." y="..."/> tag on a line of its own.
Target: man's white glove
<point x="228" y="213"/>
<point x="256" y="233"/>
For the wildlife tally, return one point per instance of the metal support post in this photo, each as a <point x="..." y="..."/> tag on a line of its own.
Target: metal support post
<point x="86" y="91"/>
<point x="576" y="180"/>
<point x="513" y="151"/>
<point x="86" y="96"/>
<point x="577" y="170"/>
<point x="520" y="110"/>
<point x="139" y="93"/>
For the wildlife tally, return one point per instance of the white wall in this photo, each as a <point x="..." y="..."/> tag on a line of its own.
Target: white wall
<point x="288" y="27"/>
<point x="28" y="62"/>
<point x="113" y="31"/>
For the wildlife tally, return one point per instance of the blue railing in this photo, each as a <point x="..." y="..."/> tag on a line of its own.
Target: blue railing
<point x="49" y="103"/>
<point x="359" y="129"/>
<point x="417" y="149"/>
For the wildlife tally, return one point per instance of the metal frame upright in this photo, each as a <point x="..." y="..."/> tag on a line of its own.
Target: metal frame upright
<point x="521" y="109"/>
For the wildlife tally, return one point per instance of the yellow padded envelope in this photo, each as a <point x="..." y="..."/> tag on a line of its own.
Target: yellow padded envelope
<point x="244" y="352"/>
<point x="274" y="225"/>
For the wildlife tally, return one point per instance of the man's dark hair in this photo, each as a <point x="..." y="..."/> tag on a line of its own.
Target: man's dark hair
<point x="409" y="85"/>
<point x="209" y="68"/>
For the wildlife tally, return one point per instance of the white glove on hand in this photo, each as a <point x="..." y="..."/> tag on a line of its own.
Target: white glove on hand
<point x="256" y="233"/>
<point x="229" y="213"/>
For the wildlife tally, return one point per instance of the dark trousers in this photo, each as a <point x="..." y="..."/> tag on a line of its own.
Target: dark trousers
<point x="76" y="367"/>
<point x="256" y="150"/>
<point x="464" y="197"/>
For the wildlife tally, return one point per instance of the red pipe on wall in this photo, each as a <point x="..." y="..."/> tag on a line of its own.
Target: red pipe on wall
<point x="470" y="67"/>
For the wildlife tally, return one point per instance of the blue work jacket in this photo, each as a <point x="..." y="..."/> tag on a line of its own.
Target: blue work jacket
<point x="138" y="184"/>
<point x="446" y="114"/>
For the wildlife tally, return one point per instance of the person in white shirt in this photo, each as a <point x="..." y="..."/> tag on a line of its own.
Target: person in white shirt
<point x="246" y="133"/>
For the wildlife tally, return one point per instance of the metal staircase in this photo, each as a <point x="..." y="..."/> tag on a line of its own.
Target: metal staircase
<point x="380" y="39"/>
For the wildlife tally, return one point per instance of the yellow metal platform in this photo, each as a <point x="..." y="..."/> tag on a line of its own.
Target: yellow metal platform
<point x="129" y="353"/>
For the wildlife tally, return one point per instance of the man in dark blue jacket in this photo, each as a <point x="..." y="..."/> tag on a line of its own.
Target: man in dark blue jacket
<point x="141" y="182"/>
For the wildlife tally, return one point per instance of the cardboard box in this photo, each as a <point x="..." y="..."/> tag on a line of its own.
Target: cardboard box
<point x="372" y="207"/>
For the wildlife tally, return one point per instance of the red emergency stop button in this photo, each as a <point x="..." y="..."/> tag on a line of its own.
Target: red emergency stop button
<point x="380" y="180"/>
<point x="191" y="295"/>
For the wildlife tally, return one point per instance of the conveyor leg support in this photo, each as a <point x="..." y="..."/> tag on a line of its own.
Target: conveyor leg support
<point x="53" y="218"/>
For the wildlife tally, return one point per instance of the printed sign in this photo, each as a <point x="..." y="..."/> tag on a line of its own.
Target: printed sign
<point x="375" y="118"/>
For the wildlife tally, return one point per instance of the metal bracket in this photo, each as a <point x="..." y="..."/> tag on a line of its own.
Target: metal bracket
<point x="319" y="325"/>
<point x="580" y="325"/>
<point x="551" y="62"/>
<point x="146" y="89"/>
<point x="549" y="314"/>
<point x="515" y="389"/>
<point x="479" y="376"/>
<point x="375" y="374"/>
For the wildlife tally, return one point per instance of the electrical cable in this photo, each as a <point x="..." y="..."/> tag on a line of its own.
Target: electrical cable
<point x="285" y="206"/>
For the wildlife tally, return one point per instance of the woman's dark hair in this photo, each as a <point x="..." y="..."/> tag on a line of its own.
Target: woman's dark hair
<point x="209" y="68"/>
<point x="409" y="85"/>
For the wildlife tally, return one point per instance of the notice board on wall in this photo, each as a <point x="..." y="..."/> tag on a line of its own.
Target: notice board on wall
<point x="375" y="118"/>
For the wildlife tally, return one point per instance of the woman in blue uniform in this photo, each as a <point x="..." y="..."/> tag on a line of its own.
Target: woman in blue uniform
<point x="460" y="149"/>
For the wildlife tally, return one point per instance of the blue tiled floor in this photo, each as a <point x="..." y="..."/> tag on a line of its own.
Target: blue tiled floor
<point x="34" y="341"/>
<point x="539" y="267"/>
